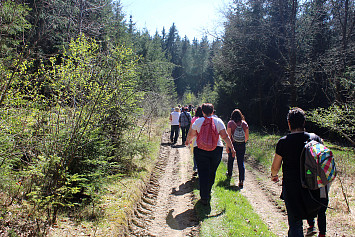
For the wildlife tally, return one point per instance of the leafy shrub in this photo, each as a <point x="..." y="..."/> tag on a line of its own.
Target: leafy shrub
<point x="58" y="146"/>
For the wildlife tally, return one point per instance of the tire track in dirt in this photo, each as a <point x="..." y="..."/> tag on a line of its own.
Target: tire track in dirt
<point x="166" y="207"/>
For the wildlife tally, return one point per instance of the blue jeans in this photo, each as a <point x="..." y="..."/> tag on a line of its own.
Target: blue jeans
<point x="207" y="164"/>
<point x="174" y="134"/>
<point x="240" y="153"/>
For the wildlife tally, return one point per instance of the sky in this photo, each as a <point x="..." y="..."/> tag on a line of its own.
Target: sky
<point x="191" y="17"/>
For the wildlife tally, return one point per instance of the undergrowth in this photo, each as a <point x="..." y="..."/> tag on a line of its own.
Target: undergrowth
<point x="119" y="195"/>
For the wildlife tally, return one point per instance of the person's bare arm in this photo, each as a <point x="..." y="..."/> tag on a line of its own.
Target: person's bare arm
<point x="227" y="140"/>
<point x="247" y="135"/>
<point x="229" y="132"/>
<point x="275" y="167"/>
<point x="190" y="136"/>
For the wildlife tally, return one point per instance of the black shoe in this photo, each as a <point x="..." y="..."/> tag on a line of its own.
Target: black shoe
<point x="229" y="176"/>
<point x="240" y="184"/>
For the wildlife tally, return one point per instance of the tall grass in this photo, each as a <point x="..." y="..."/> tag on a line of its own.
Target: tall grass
<point x="261" y="148"/>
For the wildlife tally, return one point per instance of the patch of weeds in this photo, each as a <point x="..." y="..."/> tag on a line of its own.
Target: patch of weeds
<point x="261" y="148"/>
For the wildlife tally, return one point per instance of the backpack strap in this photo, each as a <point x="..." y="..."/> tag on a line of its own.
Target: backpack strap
<point x="312" y="137"/>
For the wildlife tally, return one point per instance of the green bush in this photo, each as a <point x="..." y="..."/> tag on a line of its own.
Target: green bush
<point x="57" y="147"/>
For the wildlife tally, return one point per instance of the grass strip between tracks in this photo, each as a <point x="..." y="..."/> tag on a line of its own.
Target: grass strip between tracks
<point x="230" y="213"/>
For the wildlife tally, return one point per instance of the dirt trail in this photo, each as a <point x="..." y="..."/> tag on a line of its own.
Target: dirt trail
<point x="166" y="207"/>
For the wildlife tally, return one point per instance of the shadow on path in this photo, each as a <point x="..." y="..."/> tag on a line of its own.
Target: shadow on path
<point x="181" y="221"/>
<point x="185" y="187"/>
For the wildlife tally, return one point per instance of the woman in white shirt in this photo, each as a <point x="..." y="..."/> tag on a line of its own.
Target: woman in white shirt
<point x="208" y="160"/>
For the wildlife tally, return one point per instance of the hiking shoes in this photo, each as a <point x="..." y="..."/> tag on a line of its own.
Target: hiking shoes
<point x="240" y="184"/>
<point x="311" y="231"/>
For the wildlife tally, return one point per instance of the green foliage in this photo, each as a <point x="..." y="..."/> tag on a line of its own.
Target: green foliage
<point x="338" y="119"/>
<point x="13" y="23"/>
<point x="261" y="148"/>
<point x="207" y="95"/>
<point x="279" y="55"/>
<point x="59" y="147"/>
<point x="189" y="98"/>
<point x="154" y="75"/>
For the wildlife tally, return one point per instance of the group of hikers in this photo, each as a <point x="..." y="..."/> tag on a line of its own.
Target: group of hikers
<point x="205" y="132"/>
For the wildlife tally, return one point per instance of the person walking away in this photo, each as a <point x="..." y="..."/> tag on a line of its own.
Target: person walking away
<point x="288" y="152"/>
<point x="174" y="118"/>
<point x="184" y="123"/>
<point x="208" y="149"/>
<point x="198" y="115"/>
<point x="238" y="131"/>
<point x="190" y="108"/>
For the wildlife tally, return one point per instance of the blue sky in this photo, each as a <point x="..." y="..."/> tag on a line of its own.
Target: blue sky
<point x="191" y="17"/>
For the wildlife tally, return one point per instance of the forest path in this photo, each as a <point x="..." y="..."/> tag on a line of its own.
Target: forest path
<point x="166" y="208"/>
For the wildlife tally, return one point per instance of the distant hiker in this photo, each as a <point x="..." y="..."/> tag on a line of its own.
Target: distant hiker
<point x="180" y="108"/>
<point x="238" y="131"/>
<point x="190" y="107"/>
<point x="298" y="200"/>
<point x="174" y="118"/>
<point x="198" y="115"/>
<point x="184" y="122"/>
<point x="208" y="149"/>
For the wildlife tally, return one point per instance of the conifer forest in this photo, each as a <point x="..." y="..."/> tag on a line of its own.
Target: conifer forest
<point x="80" y="86"/>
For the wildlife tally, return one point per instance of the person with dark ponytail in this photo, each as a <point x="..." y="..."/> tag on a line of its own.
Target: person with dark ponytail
<point x="238" y="131"/>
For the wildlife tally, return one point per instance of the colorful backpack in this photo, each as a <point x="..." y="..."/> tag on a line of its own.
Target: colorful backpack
<point x="239" y="134"/>
<point x="208" y="136"/>
<point x="317" y="165"/>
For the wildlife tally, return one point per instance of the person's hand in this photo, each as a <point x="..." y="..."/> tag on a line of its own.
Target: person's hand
<point x="233" y="152"/>
<point x="275" y="178"/>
